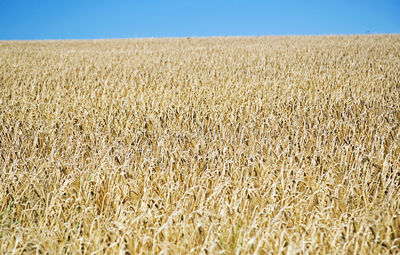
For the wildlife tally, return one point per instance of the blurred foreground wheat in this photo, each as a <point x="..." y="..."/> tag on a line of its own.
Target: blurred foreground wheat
<point x="201" y="145"/>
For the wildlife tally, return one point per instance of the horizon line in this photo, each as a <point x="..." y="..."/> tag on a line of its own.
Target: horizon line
<point x="199" y="37"/>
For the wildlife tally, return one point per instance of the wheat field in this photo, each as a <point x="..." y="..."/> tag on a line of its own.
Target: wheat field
<point x="238" y="145"/>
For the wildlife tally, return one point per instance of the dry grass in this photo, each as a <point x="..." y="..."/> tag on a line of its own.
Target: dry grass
<point x="202" y="145"/>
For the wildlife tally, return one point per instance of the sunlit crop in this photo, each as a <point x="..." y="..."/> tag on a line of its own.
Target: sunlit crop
<point x="201" y="145"/>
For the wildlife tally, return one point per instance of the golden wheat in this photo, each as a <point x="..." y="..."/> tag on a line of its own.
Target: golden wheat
<point x="201" y="145"/>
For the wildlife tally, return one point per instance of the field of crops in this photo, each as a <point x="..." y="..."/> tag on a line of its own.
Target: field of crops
<point x="201" y="145"/>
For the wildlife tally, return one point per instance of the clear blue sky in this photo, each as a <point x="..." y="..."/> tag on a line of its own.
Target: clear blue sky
<point x="80" y="19"/>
